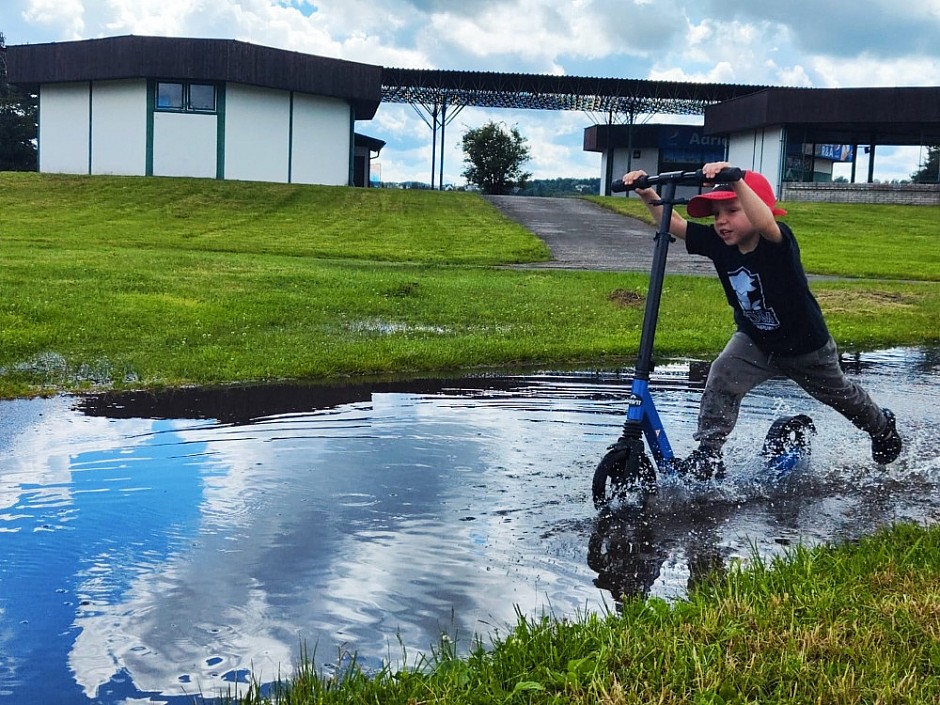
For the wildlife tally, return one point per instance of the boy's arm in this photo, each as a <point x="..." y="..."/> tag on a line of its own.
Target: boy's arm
<point x="758" y="212"/>
<point x="677" y="224"/>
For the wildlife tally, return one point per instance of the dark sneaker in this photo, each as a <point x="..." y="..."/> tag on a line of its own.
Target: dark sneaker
<point x="886" y="446"/>
<point x="702" y="464"/>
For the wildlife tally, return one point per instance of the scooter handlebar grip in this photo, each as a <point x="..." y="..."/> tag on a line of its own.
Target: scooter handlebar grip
<point x="728" y="174"/>
<point x="725" y="176"/>
<point x="617" y="186"/>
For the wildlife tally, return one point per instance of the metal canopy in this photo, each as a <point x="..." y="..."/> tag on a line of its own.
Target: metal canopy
<point x="443" y="94"/>
<point x="624" y="96"/>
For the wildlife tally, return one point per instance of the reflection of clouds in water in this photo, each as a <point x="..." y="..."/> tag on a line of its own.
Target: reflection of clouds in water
<point x="531" y="447"/>
<point x="38" y="448"/>
<point x="410" y="515"/>
<point x="10" y="663"/>
<point x="71" y="481"/>
<point x="187" y="622"/>
<point x="163" y="638"/>
<point x="282" y="512"/>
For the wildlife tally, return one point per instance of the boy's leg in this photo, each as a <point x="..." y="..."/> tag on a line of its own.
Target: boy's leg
<point x="820" y="374"/>
<point x="739" y="368"/>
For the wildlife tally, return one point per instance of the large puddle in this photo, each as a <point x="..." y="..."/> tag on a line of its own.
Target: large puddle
<point x="159" y="546"/>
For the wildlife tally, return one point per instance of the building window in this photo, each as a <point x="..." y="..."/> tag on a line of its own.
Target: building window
<point x="202" y="97"/>
<point x="180" y="96"/>
<point x="170" y="96"/>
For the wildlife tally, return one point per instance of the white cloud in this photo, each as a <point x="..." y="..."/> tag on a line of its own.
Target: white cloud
<point x="795" y="76"/>
<point x="732" y="52"/>
<point x="866" y="70"/>
<point x="841" y="28"/>
<point x="65" y="16"/>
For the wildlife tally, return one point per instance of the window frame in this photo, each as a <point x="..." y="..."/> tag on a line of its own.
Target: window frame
<point x="186" y="97"/>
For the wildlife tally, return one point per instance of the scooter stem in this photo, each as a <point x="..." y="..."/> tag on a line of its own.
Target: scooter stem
<point x="644" y="362"/>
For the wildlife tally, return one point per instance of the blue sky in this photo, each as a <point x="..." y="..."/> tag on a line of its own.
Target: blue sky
<point x="837" y="43"/>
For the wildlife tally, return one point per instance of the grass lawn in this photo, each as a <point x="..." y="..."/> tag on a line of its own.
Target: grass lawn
<point x="135" y="282"/>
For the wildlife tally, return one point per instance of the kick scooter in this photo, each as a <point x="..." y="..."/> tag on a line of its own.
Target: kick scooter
<point x="626" y="468"/>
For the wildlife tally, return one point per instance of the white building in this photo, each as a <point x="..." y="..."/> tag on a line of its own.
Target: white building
<point x="157" y="106"/>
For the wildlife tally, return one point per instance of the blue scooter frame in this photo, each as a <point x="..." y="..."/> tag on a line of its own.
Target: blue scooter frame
<point x="626" y="467"/>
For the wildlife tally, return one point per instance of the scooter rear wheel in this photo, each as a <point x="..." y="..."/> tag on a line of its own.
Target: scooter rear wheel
<point x="624" y="470"/>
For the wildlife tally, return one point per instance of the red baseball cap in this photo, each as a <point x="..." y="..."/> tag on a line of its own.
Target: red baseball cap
<point x="701" y="206"/>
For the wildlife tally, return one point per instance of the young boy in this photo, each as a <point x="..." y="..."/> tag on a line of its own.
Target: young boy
<point x="780" y="328"/>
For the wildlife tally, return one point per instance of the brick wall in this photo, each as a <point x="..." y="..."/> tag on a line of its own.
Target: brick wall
<point x="901" y="194"/>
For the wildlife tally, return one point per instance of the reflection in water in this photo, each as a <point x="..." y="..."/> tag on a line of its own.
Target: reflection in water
<point x="630" y="546"/>
<point x="153" y="545"/>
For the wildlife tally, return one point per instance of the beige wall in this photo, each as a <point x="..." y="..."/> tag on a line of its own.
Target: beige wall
<point x="900" y="194"/>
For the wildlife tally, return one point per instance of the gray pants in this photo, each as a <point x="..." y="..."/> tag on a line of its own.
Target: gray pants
<point x="742" y="366"/>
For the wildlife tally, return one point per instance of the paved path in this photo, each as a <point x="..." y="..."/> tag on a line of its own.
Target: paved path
<point x="583" y="235"/>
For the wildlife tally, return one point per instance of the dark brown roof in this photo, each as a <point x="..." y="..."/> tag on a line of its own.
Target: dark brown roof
<point x="885" y="116"/>
<point x="197" y="60"/>
<point x="373" y="143"/>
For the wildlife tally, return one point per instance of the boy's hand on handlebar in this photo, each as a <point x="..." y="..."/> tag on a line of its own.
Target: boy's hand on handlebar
<point x="632" y="177"/>
<point x="712" y="169"/>
<point x="641" y="182"/>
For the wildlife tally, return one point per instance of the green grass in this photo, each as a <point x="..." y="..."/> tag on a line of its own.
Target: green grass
<point x="200" y="215"/>
<point x="132" y="282"/>
<point x="858" y="623"/>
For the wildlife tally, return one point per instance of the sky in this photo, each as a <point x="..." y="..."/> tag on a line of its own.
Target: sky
<point x="806" y="43"/>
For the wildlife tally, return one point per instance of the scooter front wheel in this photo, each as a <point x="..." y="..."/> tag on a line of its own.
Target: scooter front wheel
<point x="624" y="470"/>
<point x="787" y="444"/>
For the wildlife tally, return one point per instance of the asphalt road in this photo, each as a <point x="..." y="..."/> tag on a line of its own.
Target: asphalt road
<point x="583" y="235"/>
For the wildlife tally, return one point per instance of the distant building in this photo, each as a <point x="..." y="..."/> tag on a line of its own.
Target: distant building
<point x="653" y="147"/>
<point x="658" y="148"/>
<point x="796" y="135"/>
<point x="157" y="106"/>
<point x="791" y="135"/>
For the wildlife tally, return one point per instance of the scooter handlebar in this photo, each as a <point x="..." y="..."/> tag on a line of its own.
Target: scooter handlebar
<point x="681" y="178"/>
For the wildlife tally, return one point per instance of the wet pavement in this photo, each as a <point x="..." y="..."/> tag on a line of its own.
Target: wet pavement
<point x="154" y="545"/>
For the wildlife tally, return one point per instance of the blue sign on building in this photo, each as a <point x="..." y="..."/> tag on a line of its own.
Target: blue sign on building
<point x="835" y="152"/>
<point x="688" y="143"/>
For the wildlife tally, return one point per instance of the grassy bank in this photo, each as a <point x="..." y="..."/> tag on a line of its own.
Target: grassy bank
<point x="853" y="624"/>
<point x="130" y="282"/>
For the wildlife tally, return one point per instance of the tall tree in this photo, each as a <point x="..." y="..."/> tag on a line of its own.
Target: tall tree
<point x="929" y="172"/>
<point x="18" y="126"/>
<point x="495" y="156"/>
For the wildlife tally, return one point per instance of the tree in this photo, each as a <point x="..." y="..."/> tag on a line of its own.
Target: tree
<point x="18" y="126"/>
<point x="495" y="157"/>
<point x="929" y="172"/>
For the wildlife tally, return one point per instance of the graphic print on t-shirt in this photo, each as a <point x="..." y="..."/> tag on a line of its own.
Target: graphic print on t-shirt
<point x="750" y="294"/>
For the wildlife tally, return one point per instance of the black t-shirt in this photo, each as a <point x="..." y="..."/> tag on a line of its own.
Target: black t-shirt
<point x="767" y="289"/>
